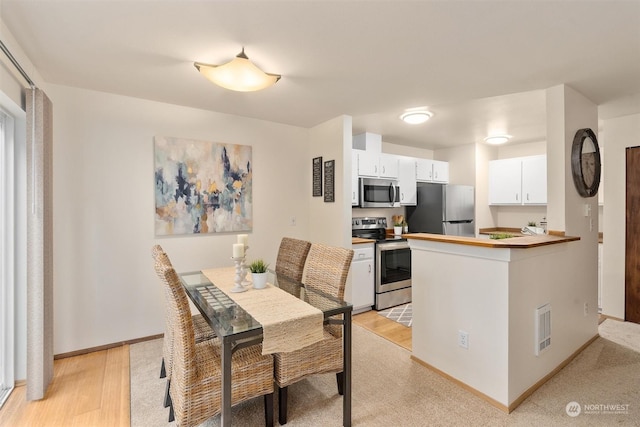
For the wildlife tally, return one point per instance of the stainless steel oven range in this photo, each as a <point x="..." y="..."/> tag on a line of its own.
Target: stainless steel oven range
<point x="392" y="262"/>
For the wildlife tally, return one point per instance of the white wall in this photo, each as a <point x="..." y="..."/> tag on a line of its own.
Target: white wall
<point x="404" y="150"/>
<point x="462" y="163"/>
<point x="567" y="112"/>
<point x="621" y="133"/>
<point x="105" y="287"/>
<point x="486" y="216"/>
<point x="330" y="221"/>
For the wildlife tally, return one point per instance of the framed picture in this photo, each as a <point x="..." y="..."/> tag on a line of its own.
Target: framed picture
<point x="329" y="184"/>
<point x="202" y="187"/>
<point x="317" y="176"/>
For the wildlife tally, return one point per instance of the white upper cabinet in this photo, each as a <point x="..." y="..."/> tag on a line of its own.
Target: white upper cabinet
<point x="428" y="170"/>
<point x="388" y="166"/>
<point x="440" y="171"/>
<point x="534" y="180"/>
<point x="368" y="164"/>
<point x="377" y="165"/>
<point x="518" y="181"/>
<point x="407" y="181"/>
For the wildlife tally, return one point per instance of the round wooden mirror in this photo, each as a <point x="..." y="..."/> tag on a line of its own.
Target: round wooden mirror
<point x="585" y="162"/>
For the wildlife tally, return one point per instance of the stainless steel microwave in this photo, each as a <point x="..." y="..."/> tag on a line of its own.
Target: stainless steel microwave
<point x="379" y="193"/>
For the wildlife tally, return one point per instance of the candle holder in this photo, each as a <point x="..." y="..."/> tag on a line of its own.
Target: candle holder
<point x="245" y="268"/>
<point x="238" y="261"/>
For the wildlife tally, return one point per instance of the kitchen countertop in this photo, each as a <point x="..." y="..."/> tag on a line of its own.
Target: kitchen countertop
<point x="523" y="242"/>
<point x="359" y="240"/>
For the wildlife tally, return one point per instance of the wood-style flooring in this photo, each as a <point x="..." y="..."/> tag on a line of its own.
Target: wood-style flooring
<point x="386" y="328"/>
<point x="92" y="390"/>
<point x="88" y="390"/>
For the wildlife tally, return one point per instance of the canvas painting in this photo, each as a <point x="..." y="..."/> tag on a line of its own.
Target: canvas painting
<point x="202" y="187"/>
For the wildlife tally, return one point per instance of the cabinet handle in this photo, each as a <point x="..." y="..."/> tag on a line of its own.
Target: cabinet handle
<point x="384" y="170"/>
<point x="436" y="174"/>
<point x="402" y="196"/>
<point x="375" y="169"/>
<point x="527" y="197"/>
<point x="516" y="197"/>
<point x="369" y="268"/>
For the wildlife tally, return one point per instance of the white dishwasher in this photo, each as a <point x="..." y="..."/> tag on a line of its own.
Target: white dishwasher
<point x="363" y="277"/>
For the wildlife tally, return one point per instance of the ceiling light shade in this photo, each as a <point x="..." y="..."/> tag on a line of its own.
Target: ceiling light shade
<point x="416" y="117"/>
<point x="240" y="74"/>
<point x="497" y="139"/>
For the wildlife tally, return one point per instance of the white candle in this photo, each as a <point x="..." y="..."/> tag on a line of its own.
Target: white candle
<point x="243" y="238"/>
<point x="238" y="250"/>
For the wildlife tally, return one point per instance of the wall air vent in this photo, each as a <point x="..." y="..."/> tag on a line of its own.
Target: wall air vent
<point x="543" y="328"/>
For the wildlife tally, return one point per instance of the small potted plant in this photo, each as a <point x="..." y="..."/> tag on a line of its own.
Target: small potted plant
<point x="258" y="270"/>
<point x="398" y="222"/>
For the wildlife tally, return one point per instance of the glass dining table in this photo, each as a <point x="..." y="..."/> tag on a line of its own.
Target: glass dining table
<point x="237" y="329"/>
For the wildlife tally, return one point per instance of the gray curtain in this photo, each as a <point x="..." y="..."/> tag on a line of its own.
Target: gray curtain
<point x="39" y="243"/>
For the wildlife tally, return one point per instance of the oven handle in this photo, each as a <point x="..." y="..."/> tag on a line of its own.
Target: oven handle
<point x="391" y="246"/>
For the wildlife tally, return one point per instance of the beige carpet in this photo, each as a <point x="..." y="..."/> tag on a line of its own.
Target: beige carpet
<point x="389" y="389"/>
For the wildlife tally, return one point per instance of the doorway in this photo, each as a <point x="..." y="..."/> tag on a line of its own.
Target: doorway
<point x="632" y="236"/>
<point x="6" y="256"/>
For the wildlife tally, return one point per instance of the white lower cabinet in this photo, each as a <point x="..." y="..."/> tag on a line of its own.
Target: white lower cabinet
<point x="362" y="277"/>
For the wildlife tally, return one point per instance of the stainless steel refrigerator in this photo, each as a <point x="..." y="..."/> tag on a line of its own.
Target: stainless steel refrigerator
<point x="443" y="209"/>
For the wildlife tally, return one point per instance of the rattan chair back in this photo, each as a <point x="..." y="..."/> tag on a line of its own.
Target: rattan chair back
<point x="292" y="255"/>
<point x="327" y="268"/>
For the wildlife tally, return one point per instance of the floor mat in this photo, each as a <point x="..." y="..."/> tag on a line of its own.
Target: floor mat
<point x="402" y="314"/>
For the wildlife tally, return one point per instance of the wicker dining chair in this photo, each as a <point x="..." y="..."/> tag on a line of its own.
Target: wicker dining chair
<point x="292" y="255"/>
<point x="326" y="270"/>
<point x="202" y="330"/>
<point x="196" y="385"/>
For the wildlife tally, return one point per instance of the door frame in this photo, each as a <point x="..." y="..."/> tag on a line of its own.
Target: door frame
<point x="7" y="260"/>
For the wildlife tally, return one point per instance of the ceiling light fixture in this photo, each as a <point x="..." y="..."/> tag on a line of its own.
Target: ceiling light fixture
<point x="497" y="139"/>
<point x="240" y="74"/>
<point x="416" y="117"/>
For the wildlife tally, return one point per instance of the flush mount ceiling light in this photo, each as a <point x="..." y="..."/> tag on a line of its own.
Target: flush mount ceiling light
<point x="416" y="117"/>
<point x="497" y="139"/>
<point x="240" y="74"/>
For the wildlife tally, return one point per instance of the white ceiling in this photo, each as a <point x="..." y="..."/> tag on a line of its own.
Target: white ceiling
<point x="480" y="66"/>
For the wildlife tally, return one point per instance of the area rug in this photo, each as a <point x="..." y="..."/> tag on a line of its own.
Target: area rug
<point x="389" y="389"/>
<point x="402" y="314"/>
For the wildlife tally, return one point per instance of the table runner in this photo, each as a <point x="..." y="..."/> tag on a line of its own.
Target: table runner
<point x="288" y="323"/>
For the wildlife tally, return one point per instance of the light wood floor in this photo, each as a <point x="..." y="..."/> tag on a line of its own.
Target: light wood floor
<point x="88" y="390"/>
<point x="92" y="390"/>
<point x="386" y="328"/>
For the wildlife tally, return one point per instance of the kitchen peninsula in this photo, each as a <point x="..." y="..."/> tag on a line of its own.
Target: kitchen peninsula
<point x="477" y="304"/>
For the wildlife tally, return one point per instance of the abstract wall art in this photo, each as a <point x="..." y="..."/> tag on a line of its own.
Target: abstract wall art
<point x="202" y="187"/>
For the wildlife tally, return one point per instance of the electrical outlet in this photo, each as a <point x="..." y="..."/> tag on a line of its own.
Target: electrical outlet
<point x="463" y="339"/>
<point x="292" y="221"/>
<point x="586" y="309"/>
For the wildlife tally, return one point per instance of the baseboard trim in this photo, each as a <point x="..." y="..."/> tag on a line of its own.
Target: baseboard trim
<point x="547" y="377"/>
<point x="523" y="396"/>
<point x="465" y="386"/>
<point x="606" y="316"/>
<point x="105" y="347"/>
